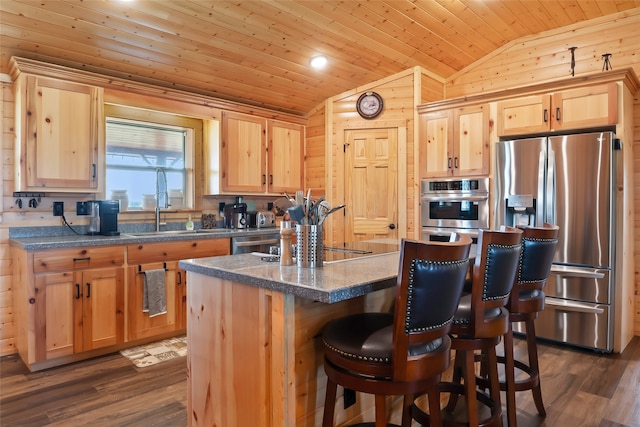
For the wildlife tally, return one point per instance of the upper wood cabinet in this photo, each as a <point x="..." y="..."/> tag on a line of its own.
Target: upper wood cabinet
<point x="260" y="155"/>
<point x="286" y="157"/>
<point x="455" y="142"/>
<point x="60" y="131"/>
<point x="579" y="108"/>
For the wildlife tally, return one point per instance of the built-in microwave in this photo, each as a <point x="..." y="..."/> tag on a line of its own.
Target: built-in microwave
<point x="454" y="204"/>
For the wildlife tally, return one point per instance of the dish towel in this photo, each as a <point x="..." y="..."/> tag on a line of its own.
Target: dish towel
<point x="154" y="298"/>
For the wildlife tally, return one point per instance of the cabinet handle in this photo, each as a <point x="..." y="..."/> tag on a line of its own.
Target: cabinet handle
<point x="77" y="290"/>
<point x="87" y="258"/>
<point x="179" y="277"/>
<point x="455" y="162"/>
<point x="264" y="179"/>
<point x="94" y="170"/>
<point x="88" y="290"/>
<point x="558" y="113"/>
<point x="270" y="179"/>
<point x="546" y="115"/>
<point x="449" y="162"/>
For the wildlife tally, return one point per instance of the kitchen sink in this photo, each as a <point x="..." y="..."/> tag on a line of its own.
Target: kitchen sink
<point x="176" y="232"/>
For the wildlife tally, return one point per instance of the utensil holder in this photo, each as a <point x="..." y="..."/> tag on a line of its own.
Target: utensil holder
<point x="309" y="246"/>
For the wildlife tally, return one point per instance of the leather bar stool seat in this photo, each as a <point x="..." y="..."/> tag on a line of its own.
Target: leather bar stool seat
<point x="480" y="321"/>
<point x="401" y="353"/>
<point x="526" y="300"/>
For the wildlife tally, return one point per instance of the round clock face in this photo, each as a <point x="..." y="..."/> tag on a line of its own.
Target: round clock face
<point x="369" y="105"/>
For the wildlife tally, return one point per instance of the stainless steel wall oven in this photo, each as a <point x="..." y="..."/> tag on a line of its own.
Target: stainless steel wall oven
<point x="453" y="204"/>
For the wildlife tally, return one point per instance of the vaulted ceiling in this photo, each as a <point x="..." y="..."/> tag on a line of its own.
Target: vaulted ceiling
<point x="258" y="52"/>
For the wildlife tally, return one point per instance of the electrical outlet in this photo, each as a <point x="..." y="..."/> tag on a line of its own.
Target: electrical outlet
<point x="58" y="208"/>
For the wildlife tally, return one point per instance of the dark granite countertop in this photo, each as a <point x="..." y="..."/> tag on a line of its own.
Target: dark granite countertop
<point x="335" y="281"/>
<point x="77" y="240"/>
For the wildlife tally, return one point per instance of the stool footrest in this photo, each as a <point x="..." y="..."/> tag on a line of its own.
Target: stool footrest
<point x="495" y="419"/>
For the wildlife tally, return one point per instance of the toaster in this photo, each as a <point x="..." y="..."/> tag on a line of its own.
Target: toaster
<point x="265" y="219"/>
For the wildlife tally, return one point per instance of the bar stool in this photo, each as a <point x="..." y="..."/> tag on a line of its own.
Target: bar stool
<point x="478" y="324"/>
<point x="526" y="300"/>
<point x="400" y="353"/>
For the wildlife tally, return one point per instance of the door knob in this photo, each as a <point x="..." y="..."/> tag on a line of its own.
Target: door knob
<point x="392" y="226"/>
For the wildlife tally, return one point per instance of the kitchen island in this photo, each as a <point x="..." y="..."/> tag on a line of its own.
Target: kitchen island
<point x="254" y="354"/>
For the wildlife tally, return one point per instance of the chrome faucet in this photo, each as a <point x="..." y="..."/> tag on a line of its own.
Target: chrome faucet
<point x="161" y="190"/>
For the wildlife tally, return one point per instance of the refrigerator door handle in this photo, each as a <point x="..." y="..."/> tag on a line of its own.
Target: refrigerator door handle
<point x="564" y="271"/>
<point x="550" y="191"/>
<point x="573" y="306"/>
<point x="540" y="197"/>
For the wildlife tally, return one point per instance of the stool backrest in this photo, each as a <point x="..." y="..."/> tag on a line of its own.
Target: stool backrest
<point x="538" y="249"/>
<point x="430" y="280"/>
<point x="494" y="271"/>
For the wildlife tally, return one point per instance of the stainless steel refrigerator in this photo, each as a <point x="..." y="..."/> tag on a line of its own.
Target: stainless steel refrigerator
<point x="570" y="181"/>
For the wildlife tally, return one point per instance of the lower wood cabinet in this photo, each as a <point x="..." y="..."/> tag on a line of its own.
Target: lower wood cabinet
<point x="82" y="311"/>
<point x="139" y="323"/>
<point x="68" y="302"/>
<point x="76" y="303"/>
<point x="151" y="256"/>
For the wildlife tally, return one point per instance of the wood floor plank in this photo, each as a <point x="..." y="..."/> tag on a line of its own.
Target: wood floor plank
<point x="580" y="389"/>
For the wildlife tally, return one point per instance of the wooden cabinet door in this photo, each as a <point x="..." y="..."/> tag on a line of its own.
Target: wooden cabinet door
<point x="243" y="153"/>
<point x="57" y="301"/>
<point x="139" y="324"/>
<point x="63" y="127"/>
<point x="585" y="107"/>
<point x="436" y="144"/>
<point x="102" y="308"/>
<point x="286" y="157"/>
<point x="525" y="115"/>
<point x="471" y="140"/>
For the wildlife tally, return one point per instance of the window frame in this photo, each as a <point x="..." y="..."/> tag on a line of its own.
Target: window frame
<point x="193" y="146"/>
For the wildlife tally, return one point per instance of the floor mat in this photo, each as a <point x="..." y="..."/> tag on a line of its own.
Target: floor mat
<point x="157" y="352"/>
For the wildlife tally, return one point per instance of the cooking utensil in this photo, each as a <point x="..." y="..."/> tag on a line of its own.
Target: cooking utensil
<point x="296" y="213"/>
<point x="337" y="208"/>
<point x="281" y="204"/>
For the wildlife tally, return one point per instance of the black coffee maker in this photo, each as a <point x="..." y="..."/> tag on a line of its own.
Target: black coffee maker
<point x="109" y="210"/>
<point x="235" y="215"/>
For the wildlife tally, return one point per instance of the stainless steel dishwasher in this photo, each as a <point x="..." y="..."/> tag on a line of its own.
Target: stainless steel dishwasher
<point x="255" y="243"/>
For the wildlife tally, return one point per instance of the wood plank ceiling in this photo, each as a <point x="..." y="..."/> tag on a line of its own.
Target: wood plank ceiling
<point x="257" y="52"/>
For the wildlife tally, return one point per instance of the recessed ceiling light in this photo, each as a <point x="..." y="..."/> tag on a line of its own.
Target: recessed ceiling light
<point x="318" y="62"/>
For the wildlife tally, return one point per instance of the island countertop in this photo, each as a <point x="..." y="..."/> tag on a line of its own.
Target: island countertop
<point x="335" y="281"/>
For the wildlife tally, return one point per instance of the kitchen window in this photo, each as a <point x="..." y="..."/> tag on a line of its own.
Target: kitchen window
<point x="138" y="142"/>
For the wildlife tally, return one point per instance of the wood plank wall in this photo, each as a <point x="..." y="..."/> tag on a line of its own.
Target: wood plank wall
<point x="547" y="58"/>
<point x="7" y="345"/>
<point x="401" y="93"/>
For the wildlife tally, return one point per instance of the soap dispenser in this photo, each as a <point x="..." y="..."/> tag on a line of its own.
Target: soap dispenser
<point x="189" y="224"/>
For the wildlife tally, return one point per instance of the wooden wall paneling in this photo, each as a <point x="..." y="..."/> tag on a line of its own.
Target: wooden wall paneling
<point x="315" y="165"/>
<point x="398" y="94"/>
<point x="546" y="57"/>
<point x="636" y="188"/>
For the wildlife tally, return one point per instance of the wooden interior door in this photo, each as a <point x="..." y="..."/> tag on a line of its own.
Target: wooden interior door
<point x="371" y="183"/>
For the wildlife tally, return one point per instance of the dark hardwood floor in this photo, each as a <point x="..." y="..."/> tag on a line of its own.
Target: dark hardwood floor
<point x="580" y="388"/>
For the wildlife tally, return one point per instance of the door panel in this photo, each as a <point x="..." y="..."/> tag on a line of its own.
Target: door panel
<point x="103" y="301"/>
<point x="371" y="180"/>
<point x="582" y="175"/>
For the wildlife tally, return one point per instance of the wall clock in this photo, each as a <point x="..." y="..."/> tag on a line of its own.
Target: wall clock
<point x="369" y="105"/>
